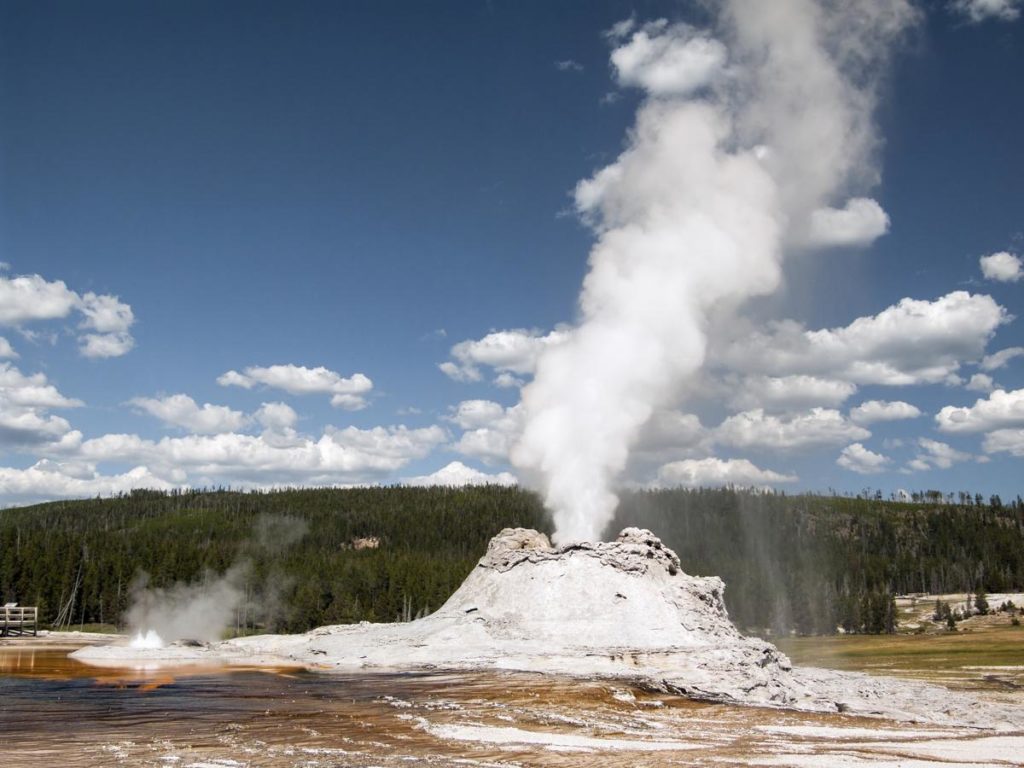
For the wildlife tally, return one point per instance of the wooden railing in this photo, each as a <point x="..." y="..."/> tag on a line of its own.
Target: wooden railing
<point x="18" y="620"/>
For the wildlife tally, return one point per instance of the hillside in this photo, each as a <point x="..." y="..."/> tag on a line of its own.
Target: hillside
<point x="808" y="563"/>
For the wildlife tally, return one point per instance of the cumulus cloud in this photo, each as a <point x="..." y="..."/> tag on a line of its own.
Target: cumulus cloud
<point x="105" y="314"/>
<point x="458" y="474"/>
<point x="348" y="393"/>
<point x="489" y="429"/>
<point x="24" y="404"/>
<point x="816" y="427"/>
<point x="52" y="480"/>
<point x="668" y="60"/>
<point x="32" y="298"/>
<point x="881" y="410"/>
<point x="712" y="471"/>
<point x="860" y="222"/>
<point x="105" y="344"/>
<point x="510" y="352"/>
<point x="507" y="381"/>
<point x="1003" y="267"/>
<point x="911" y="342"/>
<point x="999" y="410"/>
<point x="980" y="382"/>
<point x="276" y="416"/>
<point x="1005" y="441"/>
<point x="6" y="350"/>
<point x="936" y="454"/>
<point x="473" y="414"/>
<point x="32" y="391"/>
<point x="857" y="458"/>
<point x="670" y="434"/>
<point x="998" y="359"/>
<point x="182" y="411"/>
<point x="797" y="391"/>
<point x="981" y="10"/>
<point x="339" y="456"/>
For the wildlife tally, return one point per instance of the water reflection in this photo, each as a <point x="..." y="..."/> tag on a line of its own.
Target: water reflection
<point x="55" y="710"/>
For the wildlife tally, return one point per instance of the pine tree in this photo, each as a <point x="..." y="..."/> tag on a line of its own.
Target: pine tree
<point x="981" y="602"/>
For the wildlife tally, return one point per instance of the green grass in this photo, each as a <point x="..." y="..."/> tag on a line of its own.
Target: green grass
<point x="984" y="653"/>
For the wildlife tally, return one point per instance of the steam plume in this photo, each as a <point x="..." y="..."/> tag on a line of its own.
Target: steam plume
<point x="206" y="609"/>
<point x="200" y="611"/>
<point x="743" y="135"/>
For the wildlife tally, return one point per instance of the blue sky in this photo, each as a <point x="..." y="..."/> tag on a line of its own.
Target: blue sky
<point x="362" y="186"/>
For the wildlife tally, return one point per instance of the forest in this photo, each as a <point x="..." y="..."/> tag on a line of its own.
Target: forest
<point x="806" y="563"/>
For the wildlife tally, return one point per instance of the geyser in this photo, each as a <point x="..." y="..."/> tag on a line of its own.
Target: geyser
<point x="746" y="139"/>
<point x="623" y="609"/>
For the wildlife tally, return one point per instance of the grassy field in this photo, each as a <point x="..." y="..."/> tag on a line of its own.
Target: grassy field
<point x="984" y="653"/>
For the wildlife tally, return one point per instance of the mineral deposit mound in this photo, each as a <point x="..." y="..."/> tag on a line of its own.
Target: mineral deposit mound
<point x="623" y="609"/>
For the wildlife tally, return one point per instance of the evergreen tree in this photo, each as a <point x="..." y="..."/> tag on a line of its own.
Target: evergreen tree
<point x="981" y="602"/>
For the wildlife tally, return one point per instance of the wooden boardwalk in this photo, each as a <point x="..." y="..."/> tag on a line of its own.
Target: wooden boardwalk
<point x="15" y="620"/>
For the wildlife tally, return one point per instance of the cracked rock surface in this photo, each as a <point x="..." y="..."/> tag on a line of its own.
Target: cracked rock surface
<point x="621" y="609"/>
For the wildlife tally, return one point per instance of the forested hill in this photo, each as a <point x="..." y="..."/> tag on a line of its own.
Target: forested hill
<point x="308" y="557"/>
<point x="812" y="563"/>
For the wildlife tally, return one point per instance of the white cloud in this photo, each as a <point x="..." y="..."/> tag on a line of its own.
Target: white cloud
<point x="881" y="410"/>
<point x="105" y="344"/>
<point x="980" y="382"/>
<point x="490" y="429"/>
<point x="513" y="351"/>
<point x="51" y="480"/>
<point x="458" y="474"/>
<point x="1005" y="440"/>
<point x="473" y="414"/>
<point x="31" y="298"/>
<point x="797" y="391"/>
<point x="105" y="314"/>
<point x="860" y="222"/>
<point x="507" y="381"/>
<point x="24" y="402"/>
<point x="620" y="29"/>
<point x="348" y="393"/>
<point x="911" y="342"/>
<point x="980" y="10"/>
<point x="857" y="458"/>
<point x="714" y="472"/>
<point x="936" y="454"/>
<point x="1002" y="267"/>
<point x="276" y="416"/>
<point x="670" y="433"/>
<point x="27" y="427"/>
<point x="1000" y="410"/>
<point x="817" y="427"/>
<point x="6" y="350"/>
<point x="33" y="391"/>
<point x="339" y="456"/>
<point x="182" y="411"/>
<point x="998" y="359"/>
<point x="668" y="60"/>
<point x="568" y="65"/>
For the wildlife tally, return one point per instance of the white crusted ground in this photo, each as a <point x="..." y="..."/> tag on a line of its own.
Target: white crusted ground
<point x="621" y="609"/>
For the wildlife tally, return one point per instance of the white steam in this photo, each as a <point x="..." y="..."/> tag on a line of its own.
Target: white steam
<point x="741" y="138"/>
<point x="202" y="611"/>
<point x="206" y="609"/>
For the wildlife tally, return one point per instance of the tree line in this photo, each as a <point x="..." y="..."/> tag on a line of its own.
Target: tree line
<point x="809" y="564"/>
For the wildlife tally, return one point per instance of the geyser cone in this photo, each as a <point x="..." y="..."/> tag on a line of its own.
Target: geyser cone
<point x="627" y="593"/>
<point x="623" y="609"/>
<point x="620" y="609"/>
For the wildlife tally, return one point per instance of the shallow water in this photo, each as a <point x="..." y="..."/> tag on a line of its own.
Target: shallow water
<point x="54" y="710"/>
